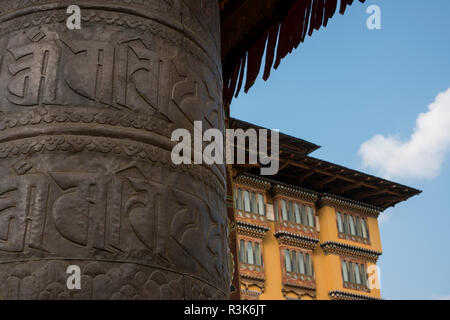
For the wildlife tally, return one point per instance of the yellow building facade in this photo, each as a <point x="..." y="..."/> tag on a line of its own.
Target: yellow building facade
<point x="302" y="235"/>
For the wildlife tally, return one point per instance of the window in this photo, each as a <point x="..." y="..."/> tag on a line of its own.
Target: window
<point x="298" y="218"/>
<point x="288" y="263"/>
<point x="250" y="252"/>
<point x="340" y="223"/>
<point x="242" y="253"/>
<point x="352" y="227"/>
<point x="257" y="254"/>
<point x="250" y="256"/>
<point x="246" y="201"/>
<point x="284" y="214"/>
<point x="354" y="275"/>
<point x="298" y="262"/>
<point x="261" y="208"/>
<point x="249" y="201"/>
<point x="295" y="212"/>
<point x="344" y="271"/>
<point x="310" y="216"/>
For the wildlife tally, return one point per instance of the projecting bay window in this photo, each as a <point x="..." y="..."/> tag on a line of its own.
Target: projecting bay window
<point x="296" y="214"/>
<point x="249" y="204"/>
<point x="352" y="227"/>
<point x="298" y="265"/>
<point x="250" y="255"/>
<point x="354" y="275"/>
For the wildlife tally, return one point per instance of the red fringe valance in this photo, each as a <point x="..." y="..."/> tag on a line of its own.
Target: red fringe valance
<point x="302" y="19"/>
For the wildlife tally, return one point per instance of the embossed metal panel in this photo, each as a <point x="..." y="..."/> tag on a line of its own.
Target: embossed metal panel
<point x="86" y="175"/>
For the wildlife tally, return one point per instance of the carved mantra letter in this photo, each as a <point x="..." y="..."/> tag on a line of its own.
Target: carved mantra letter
<point x="86" y="177"/>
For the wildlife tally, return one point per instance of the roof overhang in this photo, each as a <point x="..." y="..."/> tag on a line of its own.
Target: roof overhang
<point x="252" y="29"/>
<point x="299" y="169"/>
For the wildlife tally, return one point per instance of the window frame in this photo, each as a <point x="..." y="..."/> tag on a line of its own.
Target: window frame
<point x="256" y="247"/>
<point x="360" y="226"/>
<point x="352" y="275"/>
<point x="286" y="215"/>
<point x="301" y="262"/>
<point x="255" y="196"/>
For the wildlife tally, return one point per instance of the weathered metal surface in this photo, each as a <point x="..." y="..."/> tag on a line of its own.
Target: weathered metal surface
<point x="85" y="123"/>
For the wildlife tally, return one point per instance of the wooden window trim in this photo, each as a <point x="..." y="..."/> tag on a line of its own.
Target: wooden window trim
<point x="353" y="285"/>
<point x="279" y="217"/>
<point x="346" y="226"/>
<point x="299" y="275"/>
<point x="250" y="190"/>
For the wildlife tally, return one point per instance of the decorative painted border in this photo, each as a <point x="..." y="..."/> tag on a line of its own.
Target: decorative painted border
<point x="82" y="143"/>
<point x="332" y="247"/>
<point x="251" y="293"/>
<point x="295" y="192"/>
<point x="80" y="115"/>
<point x="250" y="229"/>
<point x="253" y="181"/>
<point x="342" y="295"/>
<point x="296" y="240"/>
<point x="299" y="290"/>
<point x="171" y="33"/>
<point x="347" y="204"/>
<point x="247" y="281"/>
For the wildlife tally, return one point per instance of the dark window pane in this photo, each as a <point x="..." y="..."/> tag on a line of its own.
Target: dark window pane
<point x="365" y="230"/>
<point x="357" y="273"/>
<point x="345" y="271"/>
<point x="301" y="263"/>
<point x="310" y="216"/>
<point x="297" y="213"/>
<point x="294" y="261"/>
<point x="261" y="206"/>
<point x="352" y="225"/>
<point x="239" y="201"/>
<point x="291" y="212"/>
<point x="253" y="205"/>
<point x="358" y="227"/>
<point x="352" y="272"/>
<point x="246" y="201"/>
<point x="303" y="215"/>
<point x="308" y="265"/>
<point x="287" y="257"/>
<point x="250" y="256"/>
<point x="284" y="210"/>
<point x="363" y="274"/>
<point x="257" y="254"/>
<point x="242" y="252"/>
<point x="340" y="223"/>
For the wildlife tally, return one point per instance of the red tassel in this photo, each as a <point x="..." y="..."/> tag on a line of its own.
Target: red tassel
<point x="232" y="85"/>
<point x="270" y="52"/>
<point x="344" y="4"/>
<point x="255" y="55"/>
<point x="330" y="10"/>
<point x="241" y="75"/>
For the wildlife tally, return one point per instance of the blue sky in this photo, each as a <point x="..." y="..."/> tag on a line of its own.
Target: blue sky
<point x="347" y="84"/>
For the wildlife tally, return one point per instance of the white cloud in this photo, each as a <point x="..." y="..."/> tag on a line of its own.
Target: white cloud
<point x="420" y="157"/>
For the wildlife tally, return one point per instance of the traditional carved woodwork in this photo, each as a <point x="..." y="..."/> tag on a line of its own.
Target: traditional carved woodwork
<point x="342" y="295"/>
<point x="341" y="249"/>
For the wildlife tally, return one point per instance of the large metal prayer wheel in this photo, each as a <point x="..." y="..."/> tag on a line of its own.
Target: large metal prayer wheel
<point x="86" y="118"/>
